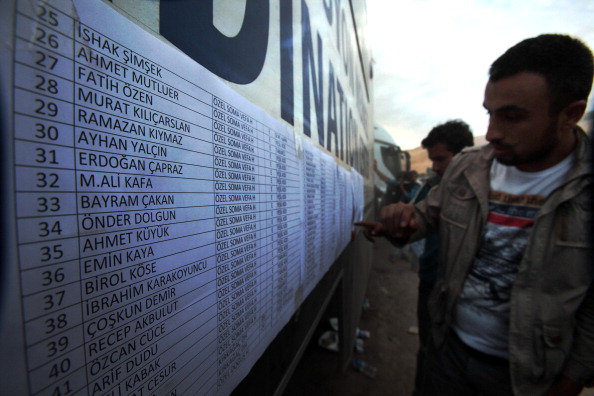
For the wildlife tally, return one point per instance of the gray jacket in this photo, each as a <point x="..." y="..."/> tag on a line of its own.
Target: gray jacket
<point x="552" y="302"/>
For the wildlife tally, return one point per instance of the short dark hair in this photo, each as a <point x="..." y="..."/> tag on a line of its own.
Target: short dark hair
<point x="564" y="61"/>
<point x="455" y="134"/>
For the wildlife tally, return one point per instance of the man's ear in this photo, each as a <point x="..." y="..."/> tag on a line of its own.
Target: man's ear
<point x="572" y="114"/>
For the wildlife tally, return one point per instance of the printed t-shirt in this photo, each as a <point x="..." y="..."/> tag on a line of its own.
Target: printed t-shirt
<point x="482" y="312"/>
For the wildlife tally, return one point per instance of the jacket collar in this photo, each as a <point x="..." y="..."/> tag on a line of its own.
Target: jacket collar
<point x="583" y="151"/>
<point x="477" y="175"/>
<point x="579" y="176"/>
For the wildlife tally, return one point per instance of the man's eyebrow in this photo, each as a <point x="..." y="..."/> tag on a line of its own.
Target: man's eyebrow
<point x="506" y="108"/>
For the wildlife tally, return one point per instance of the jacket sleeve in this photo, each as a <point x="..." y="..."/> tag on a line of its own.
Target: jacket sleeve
<point x="423" y="213"/>
<point x="580" y="364"/>
<point x="427" y="213"/>
<point x="428" y="210"/>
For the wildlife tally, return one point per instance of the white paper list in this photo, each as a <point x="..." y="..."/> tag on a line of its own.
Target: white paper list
<point x="166" y="228"/>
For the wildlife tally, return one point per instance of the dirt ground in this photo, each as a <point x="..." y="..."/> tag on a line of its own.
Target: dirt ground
<point x="391" y="349"/>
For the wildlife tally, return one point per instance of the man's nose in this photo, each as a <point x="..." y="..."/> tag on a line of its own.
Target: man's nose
<point x="493" y="131"/>
<point x="436" y="168"/>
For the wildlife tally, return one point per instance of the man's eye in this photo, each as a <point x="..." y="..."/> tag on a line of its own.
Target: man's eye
<point x="513" y="116"/>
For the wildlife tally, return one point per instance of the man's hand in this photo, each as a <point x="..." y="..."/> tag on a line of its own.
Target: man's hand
<point x="563" y="386"/>
<point x="372" y="229"/>
<point x="398" y="220"/>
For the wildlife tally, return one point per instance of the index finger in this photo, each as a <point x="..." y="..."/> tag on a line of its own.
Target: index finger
<point x="372" y="229"/>
<point x="365" y="223"/>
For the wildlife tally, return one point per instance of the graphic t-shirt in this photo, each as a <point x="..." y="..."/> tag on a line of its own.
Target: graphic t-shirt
<point x="482" y="313"/>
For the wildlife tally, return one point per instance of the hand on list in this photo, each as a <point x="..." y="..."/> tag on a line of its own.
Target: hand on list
<point x="397" y="221"/>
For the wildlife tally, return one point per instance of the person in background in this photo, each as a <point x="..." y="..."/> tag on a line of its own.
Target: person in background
<point x="442" y="143"/>
<point x="401" y="190"/>
<point x="410" y="185"/>
<point x="407" y="183"/>
<point x="512" y="308"/>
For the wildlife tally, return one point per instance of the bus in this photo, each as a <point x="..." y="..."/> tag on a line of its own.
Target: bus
<point x="392" y="162"/>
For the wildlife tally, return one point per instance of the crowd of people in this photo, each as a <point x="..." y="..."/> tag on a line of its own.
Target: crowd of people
<point x="506" y="295"/>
